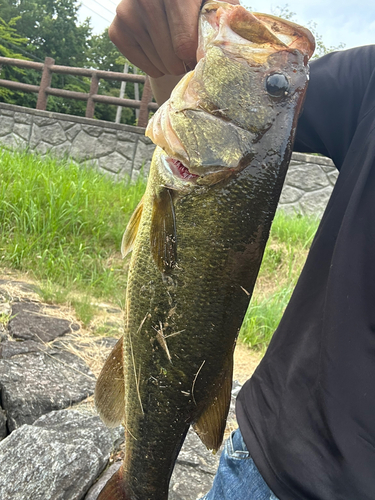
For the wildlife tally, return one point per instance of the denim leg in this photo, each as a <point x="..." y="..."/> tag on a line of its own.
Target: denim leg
<point x="237" y="477"/>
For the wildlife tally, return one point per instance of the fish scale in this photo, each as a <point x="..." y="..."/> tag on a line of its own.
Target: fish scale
<point x="197" y="239"/>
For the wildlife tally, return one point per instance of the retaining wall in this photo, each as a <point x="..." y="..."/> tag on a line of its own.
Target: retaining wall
<point x="122" y="150"/>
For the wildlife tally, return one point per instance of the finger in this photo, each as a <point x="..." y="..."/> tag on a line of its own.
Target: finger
<point x="183" y="26"/>
<point x="128" y="46"/>
<point x="156" y="26"/>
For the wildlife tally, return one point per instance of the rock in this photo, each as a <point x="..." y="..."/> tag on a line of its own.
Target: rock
<point x="8" y="349"/>
<point x="194" y="471"/>
<point x="3" y="424"/>
<point x="34" y="384"/>
<point x="58" y="457"/>
<point x="29" y="323"/>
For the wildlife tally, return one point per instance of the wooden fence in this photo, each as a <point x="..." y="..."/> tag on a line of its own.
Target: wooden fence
<point x="44" y="89"/>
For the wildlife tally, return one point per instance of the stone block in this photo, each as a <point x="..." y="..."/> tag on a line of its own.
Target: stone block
<point x="310" y="176"/>
<point x="35" y="136"/>
<point x="93" y="131"/>
<point x="3" y="424"/>
<point x="6" y="112"/>
<point x="115" y="163"/>
<point x="53" y="134"/>
<point x="83" y="147"/>
<point x="125" y="136"/>
<point x="105" y="144"/>
<point x="35" y="384"/>
<point x="72" y="132"/>
<point x="126" y="149"/>
<point x="30" y="322"/>
<point x="332" y="177"/>
<point x="290" y="194"/>
<point x="6" y="125"/>
<point x="59" y="457"/>
<point x="23" y="118"/>
<point x="314" y="203"/>
<point x="22" y="130"/>
<point x="44" y="121"/>
<point x="13" y="141"/>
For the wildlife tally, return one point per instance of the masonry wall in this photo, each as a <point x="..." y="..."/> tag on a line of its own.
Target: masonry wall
<point x="123" y="150"/>
<point x="117" y="149"/>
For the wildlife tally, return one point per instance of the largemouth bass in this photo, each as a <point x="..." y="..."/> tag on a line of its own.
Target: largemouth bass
<point x="197" y="239"/>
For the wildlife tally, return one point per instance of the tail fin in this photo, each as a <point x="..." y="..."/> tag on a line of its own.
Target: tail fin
<point x="114" y="489"/>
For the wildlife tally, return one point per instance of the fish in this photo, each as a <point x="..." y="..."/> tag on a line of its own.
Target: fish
<point x="196" y="240"/>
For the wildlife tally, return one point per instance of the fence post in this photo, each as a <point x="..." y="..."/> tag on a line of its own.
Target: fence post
<point x="94" y="87"/>
<point x="44" y="83"/>
<point x="146" y="98"/>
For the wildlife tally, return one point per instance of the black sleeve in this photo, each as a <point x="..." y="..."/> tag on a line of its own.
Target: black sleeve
<point x="335" y="101"/>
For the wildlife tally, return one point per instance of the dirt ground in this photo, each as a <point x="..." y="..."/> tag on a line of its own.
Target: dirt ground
<point x="245" y="362"/>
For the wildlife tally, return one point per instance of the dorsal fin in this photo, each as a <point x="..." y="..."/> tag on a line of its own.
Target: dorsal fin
<point x="163" y="238"/>
<point x="210" y="426"/>
<point x="131" y="230"/>
<point x="110" y="388"/>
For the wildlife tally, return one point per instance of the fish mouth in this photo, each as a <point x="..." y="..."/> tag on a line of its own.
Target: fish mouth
<point x="178" y="170"/>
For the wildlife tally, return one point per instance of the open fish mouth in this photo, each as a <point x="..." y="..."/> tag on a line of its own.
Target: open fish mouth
<point x="178" y="170"/>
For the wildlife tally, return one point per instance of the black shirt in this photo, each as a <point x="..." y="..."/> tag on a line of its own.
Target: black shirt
<point x="308" y="413"/>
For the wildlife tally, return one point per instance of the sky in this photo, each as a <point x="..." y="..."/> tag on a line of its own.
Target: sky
<point x="337" y="21"/>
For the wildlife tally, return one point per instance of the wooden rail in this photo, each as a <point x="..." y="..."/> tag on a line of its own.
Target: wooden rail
<point x="44" y="89"/>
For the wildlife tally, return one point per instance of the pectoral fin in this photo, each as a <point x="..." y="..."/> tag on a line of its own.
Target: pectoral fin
<point x="163" y="236"/>
<point x="210" y="426"/>
<point x="131" y="230"/>
<point x="110" y="388"/>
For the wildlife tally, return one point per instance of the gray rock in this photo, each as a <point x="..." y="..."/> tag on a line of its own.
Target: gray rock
<point x="59" y="457"/>
<point x="54" y="134"/>
<point x="6" y="125"/>
<point x="34" y="384"/>
<point x="309" y="175"/>
<point x="3" y="424"/>
<point x="23" y="130"/>
<point x="29" y="323"/>
<point x="12" y="348"/>
<point x="194" y="471"/>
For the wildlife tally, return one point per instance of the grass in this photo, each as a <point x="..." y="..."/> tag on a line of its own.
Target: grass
<point x="62" y="224"/>
<point x="285" y="254"/>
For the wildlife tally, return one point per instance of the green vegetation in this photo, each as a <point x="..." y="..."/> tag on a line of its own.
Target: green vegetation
<point x="62" y="224"/>
<point x="285" y="254"/>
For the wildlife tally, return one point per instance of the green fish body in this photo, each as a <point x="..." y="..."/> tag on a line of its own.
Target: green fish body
<point x="197" y="240"/>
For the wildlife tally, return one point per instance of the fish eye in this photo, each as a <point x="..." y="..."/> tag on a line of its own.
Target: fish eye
<point x="277" y="85"/>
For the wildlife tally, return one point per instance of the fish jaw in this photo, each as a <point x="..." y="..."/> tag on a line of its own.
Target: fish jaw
<point x="218" y="114"/>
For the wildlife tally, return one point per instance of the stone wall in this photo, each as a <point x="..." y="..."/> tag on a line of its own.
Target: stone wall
<point x="308" y="184"/>
<point x="117" y="149"/>
<point x="123" y="150"/>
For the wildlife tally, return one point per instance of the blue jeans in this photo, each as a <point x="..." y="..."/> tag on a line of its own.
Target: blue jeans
<point x="237" y="477"/>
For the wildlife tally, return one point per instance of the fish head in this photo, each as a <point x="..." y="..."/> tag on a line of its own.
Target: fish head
<point x="240" y="104"/>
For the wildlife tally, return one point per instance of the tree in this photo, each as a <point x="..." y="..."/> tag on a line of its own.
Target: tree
<point x="52" y="30"/>
<point x="10" y="40"/>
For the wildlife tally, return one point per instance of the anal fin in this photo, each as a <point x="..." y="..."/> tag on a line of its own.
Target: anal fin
<point x="110" y="388"/>
<point x="211" y="424"/>
<point x="114" y="489"/>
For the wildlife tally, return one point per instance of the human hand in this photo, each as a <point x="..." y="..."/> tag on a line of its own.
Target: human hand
<point x="158" y="36"/>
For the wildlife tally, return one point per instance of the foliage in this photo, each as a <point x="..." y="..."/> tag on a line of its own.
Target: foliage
<point x="290" y="239"/>
<point x="10" y="40"/>
<point x="64" y="223"/>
